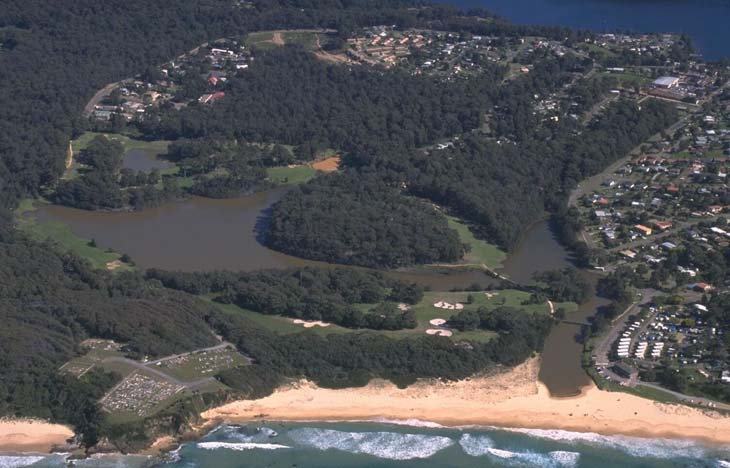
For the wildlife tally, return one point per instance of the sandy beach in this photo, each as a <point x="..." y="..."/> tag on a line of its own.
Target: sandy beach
<point x="28" y="435"/>
<point x="511" y="399"/>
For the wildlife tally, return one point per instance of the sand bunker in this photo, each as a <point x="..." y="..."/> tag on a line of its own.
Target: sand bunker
<point x="448" y="306"/>
<point x="490" y="295"/>
<point x="113" y="265"/>
<point x="439" y="332"/>
<point x="403" y="307"/>
<point x="311" y="323"/>
<point x="437" y="322"/>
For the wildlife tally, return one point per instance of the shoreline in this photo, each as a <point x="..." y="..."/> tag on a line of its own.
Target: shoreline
<point x="514" y="399"/>
<point x="32" y="436"/>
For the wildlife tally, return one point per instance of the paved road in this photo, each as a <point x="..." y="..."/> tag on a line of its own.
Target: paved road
<point x="687" y="398"/>
<point x="98" y="97"/>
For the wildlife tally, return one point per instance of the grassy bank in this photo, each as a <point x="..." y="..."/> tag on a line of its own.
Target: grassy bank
<point x="290" y="175"/>
<point x="480" y="252"/>
<point x="63" y="239"/>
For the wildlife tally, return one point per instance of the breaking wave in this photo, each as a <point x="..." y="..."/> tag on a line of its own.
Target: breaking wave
<point x="409" y="422"/>
<point x="634" y="446"/>
<point x="475" y="445"/>
<point x="11" y="461"/>
<point x="240" y="446"/>
<point x="389" y="445"/>
<point x="481" y="445"/>
<point x="564" y="458"/>
<point x="243" y="434"/>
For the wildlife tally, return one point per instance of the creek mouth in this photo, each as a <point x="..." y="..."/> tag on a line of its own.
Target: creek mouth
<point x="202" y="234"/>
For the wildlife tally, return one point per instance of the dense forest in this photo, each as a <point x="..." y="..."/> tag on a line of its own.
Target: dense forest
<point x="358" y="218"/>
<point x="290" y="97"/>
<point x="307" y="293"/>
<point x="478" y="179"/>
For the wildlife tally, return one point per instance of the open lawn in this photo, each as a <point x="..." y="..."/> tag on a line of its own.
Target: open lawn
<point x="152" y="147"/>
<point x="308" y="40"/>
<point x="629" y="79"/>
<point x="65" y="240"/>
<point x="481" y="252"/>
<point x="596" y="49"/>
<point x="289" y="175"/>
<point x="424" y="310"/>
<point x="277" y="323"/>
<point x="263" y="40"/>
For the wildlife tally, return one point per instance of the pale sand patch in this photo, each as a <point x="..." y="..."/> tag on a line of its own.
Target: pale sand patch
<point x="511" y="399"/>
<point x="113" y="265"/>
<point x="161" y="445"/>
<point x="311" y="323"/>
<point x="29" y="435"/>
<point x="437" y="322"/>
<point x="330" y="164"/>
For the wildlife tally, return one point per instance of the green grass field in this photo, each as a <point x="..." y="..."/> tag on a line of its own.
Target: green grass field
<point x="307" y="40"/>
<point x="595" y="48"/>
<point x="481" y="252"/>
<point x="629" y="79"/>
<point x="284" y="175"/>
<point x="424" y="310"/>
<point x="153" y="147"/>
<point x="260" y="40"/>
<point x="63" y="238"/>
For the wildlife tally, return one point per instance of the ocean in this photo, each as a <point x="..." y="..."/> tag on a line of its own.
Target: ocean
<point x="345" y="445"/>
<point x="707" y="22"/>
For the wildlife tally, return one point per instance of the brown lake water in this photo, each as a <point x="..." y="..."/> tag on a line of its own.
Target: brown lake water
<point x="207" y="234"/>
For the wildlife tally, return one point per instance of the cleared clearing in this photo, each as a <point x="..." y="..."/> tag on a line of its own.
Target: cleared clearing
<point x="330" y="164"/>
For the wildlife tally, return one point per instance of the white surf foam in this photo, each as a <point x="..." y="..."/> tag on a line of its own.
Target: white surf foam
<point x="409" y="422"/>
<point x="563" y="458"/>
<point x="475" y="445"/>
<point x="389" y="445"/>
<point x="13" y="461"/>
<point x="634" y="446"/>
<point x="481" y="445"/>
<point x="235" y="434"/>
<point x="723" y="464"/>
<point x="499" y="453"/>
<point x="240" y="446"/>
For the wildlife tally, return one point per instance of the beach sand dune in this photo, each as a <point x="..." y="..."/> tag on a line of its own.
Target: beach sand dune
<point x="511" y="399"/>
<point x="29" y="435"/>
